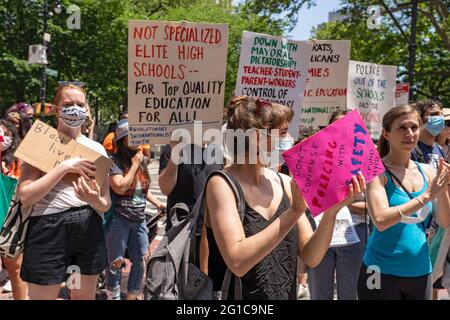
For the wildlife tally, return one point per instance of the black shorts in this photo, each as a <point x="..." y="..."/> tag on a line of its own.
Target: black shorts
<point x="393" y="287"/>
<point x="59" y="243"/>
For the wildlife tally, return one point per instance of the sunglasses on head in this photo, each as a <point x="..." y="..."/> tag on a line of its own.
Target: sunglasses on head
<point x="68" y="83"/>
<point x="261" y="104"/>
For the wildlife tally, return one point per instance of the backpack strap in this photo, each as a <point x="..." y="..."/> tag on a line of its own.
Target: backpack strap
<point x="240" y="202"/>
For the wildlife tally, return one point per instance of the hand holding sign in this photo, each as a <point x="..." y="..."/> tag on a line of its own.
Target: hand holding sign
<point x="298" y="201"/>
<point x="324" y="164"/>
<point x="357" y="186"/>
<point x="80" y="166"/>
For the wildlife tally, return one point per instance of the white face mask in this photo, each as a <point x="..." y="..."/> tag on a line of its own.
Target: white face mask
<point x="6" y="143"/>
<point x="422" y="214"/>
<point x="73" y="116"/>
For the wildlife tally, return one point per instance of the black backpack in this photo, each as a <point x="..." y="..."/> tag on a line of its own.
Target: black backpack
<point x="171" y="275"/>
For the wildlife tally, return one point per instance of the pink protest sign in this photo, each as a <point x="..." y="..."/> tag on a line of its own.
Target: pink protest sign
<point x="324" y="164"/>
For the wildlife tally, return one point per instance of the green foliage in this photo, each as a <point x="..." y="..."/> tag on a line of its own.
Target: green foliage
<point x="388" y="46"/>
<point x="97" y="53"/>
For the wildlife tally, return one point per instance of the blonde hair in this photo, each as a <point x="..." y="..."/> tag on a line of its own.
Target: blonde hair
<point x="253" y="113"/>
<point x="60" y="89"/>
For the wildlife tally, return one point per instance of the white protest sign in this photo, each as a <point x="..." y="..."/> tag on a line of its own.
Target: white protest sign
<point x="274" y="69"/>
<point x="176" y="76"/>
<point x="402" y="94"/>
<point x="371" y="90"/>
<point x="326" y="85"/>
<point x="344" y="233"/>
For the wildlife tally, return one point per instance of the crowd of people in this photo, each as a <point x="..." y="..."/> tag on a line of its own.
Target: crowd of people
<point x="278" y="250"/>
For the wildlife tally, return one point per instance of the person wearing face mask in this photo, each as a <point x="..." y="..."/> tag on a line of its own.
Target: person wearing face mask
<point x="65" y="231"/>
<point x="263" y="248"/>
<point x="9" y="142"/>
<point x="396" y="263"/>
<point x="127" y="231"/>
<point x="429" y="151"/>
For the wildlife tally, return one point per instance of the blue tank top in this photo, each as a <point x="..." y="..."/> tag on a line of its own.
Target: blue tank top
<point x="402" y="249"/>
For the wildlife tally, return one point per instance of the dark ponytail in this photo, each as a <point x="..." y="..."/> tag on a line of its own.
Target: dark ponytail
<point x="383" y="147"/>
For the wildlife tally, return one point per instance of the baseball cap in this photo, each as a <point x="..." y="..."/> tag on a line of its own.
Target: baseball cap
<point x="121" y="129"/>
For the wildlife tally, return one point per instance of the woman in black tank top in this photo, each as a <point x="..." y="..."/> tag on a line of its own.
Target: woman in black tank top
<point x="263" y="248"/>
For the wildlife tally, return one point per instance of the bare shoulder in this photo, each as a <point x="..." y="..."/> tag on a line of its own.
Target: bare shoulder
<point x="217" y="185"/>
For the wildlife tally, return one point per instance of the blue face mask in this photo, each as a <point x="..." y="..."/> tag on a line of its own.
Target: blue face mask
<point x="285" y="144"/>
<point x="435" y="125"/>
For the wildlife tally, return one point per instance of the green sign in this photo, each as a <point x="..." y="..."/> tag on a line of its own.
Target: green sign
<point x="51" y="72"/>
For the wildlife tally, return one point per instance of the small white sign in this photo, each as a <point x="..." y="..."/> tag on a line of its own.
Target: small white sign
<point x="37" y="54"/>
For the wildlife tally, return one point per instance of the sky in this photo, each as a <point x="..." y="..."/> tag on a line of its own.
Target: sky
<point x="309" y="18"/>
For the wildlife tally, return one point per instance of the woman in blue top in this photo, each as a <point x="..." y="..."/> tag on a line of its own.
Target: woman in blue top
<point x="397" y="250"/>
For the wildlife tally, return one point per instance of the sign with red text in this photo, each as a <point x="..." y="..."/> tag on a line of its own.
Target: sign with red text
<point x="371" y="90"/>
<point x="323" y="164"/>
<point x="326" y="85"/>
<point x="176" y="76"/>
<point x="402" y="94"/>
<point x="274" y="69"/>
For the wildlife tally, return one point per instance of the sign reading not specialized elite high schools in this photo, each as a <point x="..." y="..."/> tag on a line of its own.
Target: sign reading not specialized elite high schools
<point x="323" y="164"/>
<point x="371" y="90"/>
<point x="274" y="69"/>
<point x="326" y="85"/>
<point x="176" y="77"/>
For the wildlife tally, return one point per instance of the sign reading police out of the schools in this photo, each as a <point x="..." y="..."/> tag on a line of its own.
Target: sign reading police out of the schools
<point x="274" y="69"/>
<point x="371" y="90"/>
<point x="44" y="148"/>
<point x="326" y="85"/>
<point x="323" y="164"/>
<point x="176" y="76"/>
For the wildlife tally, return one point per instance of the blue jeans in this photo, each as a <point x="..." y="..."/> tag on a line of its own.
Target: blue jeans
<point x="346" y="261"/>
<point x="124" y="235"/>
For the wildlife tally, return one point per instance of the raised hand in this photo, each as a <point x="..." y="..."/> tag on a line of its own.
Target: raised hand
<point x="298" y="201"/>
<point x="441" y="180"/>
<point x="83" y="167"/>
<point x="357" y="186"/>
<point x="87" y="192"/>
<point x="137" y="159"/>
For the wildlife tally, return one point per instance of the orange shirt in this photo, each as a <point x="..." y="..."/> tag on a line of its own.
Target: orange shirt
<point x="109" y="144"/>
<point x="111" y="147"/>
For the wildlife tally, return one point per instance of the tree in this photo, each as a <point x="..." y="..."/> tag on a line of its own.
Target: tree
<point x="97" y="53"/>
<point x="387" y="45"/>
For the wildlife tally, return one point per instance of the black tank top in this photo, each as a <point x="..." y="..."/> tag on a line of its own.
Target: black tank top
<point x="275" y="276"/>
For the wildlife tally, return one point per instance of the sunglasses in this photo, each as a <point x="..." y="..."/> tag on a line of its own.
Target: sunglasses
<point x="68" y="83"/>
<point x="261" y="104"/>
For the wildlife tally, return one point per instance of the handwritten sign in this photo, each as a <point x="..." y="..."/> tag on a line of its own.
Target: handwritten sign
<point x="402" y="94"/>
<point x="44" y="148"/>
<point x="371" y="90"/>
<point x="176" y="76"/>
<point x="326" y="85"/>
<point x="323" y="164"/>
<point x="275" y="69"/>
